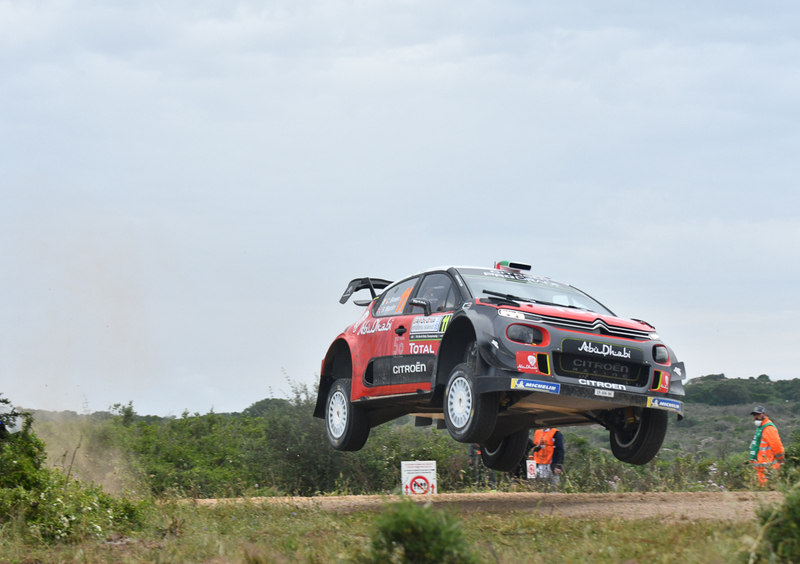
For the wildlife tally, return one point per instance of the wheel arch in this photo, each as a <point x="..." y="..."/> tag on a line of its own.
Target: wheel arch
<point x="453" y="349"/>
<point x="338" y="363"/>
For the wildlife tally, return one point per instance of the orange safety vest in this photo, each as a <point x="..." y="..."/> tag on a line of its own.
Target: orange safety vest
<point x="546" y="439"/>
<point x="771" y="446"/>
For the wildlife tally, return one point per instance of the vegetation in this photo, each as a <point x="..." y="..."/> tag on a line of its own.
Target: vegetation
<point x="44" y="504"/>
<point x="275" y="447"/>
<point x="409" y="533"/>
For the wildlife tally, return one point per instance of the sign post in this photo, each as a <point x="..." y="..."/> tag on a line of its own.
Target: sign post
<point x="418" y="477"/>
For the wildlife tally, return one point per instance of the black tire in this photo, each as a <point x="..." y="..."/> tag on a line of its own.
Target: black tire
<point x="346" y="424"/>
<point x="639" y="442"/>
<point x="505" y="456"/>
<point x="470" y="417"/>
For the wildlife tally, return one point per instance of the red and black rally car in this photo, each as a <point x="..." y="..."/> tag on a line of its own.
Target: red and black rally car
<point x="490" y="353"/>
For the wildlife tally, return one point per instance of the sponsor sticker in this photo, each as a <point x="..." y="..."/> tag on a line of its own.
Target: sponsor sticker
<point x="607" y="385"/>
<point x="663" y="403"/>
<point x="608" y="351"/>
<point x="604" y="393"/>
<point x="416" y="348"/>
<point x="535" y="385"/>
<point x="527" y="362"/>
<point x="375" y="327"/>
<point x="429" y="328"/>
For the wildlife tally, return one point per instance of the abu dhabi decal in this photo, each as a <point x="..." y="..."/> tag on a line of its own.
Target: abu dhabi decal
<point x="360" y="321"/>
<point x="376" y="327"/>
<point x="535" y="386"/>
<point x="528" y="362"/>
<point x="663" y="403"/>
<point x="607" y="350"/>
<point x="604" y="350"/>
<point x="606" y="385"/>
<point x="429" y="328"/>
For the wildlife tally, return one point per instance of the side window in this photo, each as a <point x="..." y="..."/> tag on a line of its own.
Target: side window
<point x="439" y="290"/>
<point x="393" y="301"/>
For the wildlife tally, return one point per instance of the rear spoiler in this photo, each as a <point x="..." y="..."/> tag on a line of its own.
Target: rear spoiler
<point x="362" y="284"/>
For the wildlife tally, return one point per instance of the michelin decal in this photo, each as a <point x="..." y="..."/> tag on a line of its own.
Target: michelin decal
<point x="535" y="386"/>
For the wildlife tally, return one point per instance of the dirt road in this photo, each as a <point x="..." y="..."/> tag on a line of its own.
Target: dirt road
<point x="723" y="506"/>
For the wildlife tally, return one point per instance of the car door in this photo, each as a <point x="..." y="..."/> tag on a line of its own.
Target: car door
<point x="384" y="335"/>
<point x="413" y="365"/>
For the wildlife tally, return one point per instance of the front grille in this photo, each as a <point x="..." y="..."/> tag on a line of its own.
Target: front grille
<point x="597" y="326"/>
<point x="600" y="369"/>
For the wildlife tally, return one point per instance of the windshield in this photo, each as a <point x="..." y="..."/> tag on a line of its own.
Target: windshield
<point x="527" y="288"/>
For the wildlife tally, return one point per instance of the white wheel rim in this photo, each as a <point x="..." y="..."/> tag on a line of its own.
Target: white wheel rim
<point x="459" y="402"/>
<point x="337" y="414"/>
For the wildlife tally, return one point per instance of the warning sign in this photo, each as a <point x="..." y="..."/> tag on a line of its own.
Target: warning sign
<point x="418" y="476"/>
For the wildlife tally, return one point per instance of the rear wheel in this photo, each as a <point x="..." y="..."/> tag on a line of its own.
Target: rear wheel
<point x="505" y="455"/>
<point x="470" y="417"/>
<point x="347" y="425"/>
<point x="639" y="441"/>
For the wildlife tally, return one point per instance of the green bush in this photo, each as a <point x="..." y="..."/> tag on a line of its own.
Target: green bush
<point x="22" y="455"/>
<point x="67" y="510"/>
<point x="782" y="526"/>
<point x="40" y="503"/>
<point x="409" y="533"/>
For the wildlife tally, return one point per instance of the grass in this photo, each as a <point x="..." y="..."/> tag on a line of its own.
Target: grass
<point x="262" y="534"/>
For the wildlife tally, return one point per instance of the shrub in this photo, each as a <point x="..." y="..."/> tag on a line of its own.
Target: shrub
<point x="415" y="534"/>
<point x="67" y="510"/>
<point x="782" y="526"/>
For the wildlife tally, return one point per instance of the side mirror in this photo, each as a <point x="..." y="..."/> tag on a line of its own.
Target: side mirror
<point x="419" y="302"/>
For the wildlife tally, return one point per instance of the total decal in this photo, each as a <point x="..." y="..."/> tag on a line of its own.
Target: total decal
<point x="668" y="404"/>
<point x="421" y="348"/>
<point x="375" y="327"/>
<point x="535" y="386"/>
<point x="527" y="362"/>
<point x="429" y="328"/>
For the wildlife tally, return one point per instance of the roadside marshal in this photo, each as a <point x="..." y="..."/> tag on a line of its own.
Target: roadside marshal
<point x="418" y="477"/>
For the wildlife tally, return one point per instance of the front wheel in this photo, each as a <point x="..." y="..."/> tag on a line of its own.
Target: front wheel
<point x="470" y="417"/>
<point x="506" y="455"/>
<point x="639" y="441"/>
<point x="347" y="425"/>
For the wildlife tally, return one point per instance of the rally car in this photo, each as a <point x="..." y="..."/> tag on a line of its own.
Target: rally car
<point x="490" y="353"/>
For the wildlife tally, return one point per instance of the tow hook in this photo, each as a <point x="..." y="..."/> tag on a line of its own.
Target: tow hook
<point x="629" y="413"/>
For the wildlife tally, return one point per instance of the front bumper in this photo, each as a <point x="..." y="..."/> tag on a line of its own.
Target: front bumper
<point x="544" y="392"/>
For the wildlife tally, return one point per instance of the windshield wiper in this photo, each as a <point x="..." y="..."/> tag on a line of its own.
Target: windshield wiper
<point x="513" y="298"/>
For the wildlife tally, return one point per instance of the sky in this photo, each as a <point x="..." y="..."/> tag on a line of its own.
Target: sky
<point x="186" y="188"/>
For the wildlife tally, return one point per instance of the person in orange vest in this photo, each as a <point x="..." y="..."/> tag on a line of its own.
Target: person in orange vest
<point x="548" y="453"/>
<point x="766" y="450"/>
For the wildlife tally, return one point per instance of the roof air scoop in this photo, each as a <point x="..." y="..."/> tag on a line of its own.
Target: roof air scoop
<point x="511" y="265"/>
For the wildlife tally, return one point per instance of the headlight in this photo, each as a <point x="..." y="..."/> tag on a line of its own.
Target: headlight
<point x="511" y="313"/>
<point x="524" y="334"/>
<point x="660" y="354"/>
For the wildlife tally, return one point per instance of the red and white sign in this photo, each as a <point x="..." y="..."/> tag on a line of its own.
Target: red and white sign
<point x="531" y="469"/>
<point x="418" y="477"/>
<point x="526" y="362"/>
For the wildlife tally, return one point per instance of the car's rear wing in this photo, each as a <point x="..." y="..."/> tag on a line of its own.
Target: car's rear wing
<point x="362" y="284"/>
